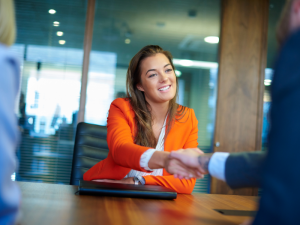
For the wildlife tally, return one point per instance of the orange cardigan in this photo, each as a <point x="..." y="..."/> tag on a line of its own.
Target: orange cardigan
<point x="125" y="155"/>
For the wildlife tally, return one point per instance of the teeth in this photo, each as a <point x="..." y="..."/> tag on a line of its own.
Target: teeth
<point x="165" y="88"/>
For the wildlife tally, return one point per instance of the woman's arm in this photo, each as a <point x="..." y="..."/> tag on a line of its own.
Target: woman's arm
<point x="121" y="144"/>
<point x="120" y="138"/>
<point x="183" y="186"/>
<point x="158" y="160"/>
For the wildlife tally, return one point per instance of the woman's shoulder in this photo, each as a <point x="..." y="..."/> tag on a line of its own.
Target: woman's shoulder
<point x="122" y="104"/>
<point x="179" y="107"/>
<point x="121" y="108"/>
<point x="184" y="113"/>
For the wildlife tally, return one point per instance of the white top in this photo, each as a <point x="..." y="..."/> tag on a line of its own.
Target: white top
<point x="146" y="156"/>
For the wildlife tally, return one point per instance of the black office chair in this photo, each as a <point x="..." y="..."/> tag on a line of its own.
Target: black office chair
<point x="90" y="148"/>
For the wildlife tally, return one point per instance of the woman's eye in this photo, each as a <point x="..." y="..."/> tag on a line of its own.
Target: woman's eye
<point x="152" y="75"/>
<point x="168" y="70"/>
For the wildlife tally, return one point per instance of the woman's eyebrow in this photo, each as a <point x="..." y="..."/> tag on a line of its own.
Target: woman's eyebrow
<point x="155" y="69"/>
<point x="150" y="70"/>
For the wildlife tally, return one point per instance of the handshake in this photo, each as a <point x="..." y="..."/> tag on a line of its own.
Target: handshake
<point x="187" y="163"/>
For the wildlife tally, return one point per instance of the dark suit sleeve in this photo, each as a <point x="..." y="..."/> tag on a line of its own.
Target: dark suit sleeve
<point x="244" y="169"/>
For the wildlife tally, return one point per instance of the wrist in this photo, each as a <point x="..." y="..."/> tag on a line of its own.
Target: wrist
<point x="165" y="158"/>
<point x="139" y="180"/>
<point x="203" y="161"/>
<point x="158" y="160"/>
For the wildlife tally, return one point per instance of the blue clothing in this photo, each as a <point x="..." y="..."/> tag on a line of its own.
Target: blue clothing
<point x="10" y="196"/>
<point x="280" y="199"/>
<point x="244" y="169"/>
<point x="276" y="171"/>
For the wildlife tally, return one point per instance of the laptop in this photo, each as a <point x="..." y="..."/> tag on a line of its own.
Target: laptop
<point x="125" y="190"/>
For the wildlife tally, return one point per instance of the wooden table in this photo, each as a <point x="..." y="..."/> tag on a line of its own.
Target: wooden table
<point x="56" y="204"/>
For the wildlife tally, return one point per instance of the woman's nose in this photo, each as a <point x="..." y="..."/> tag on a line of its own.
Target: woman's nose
<point x="164" y="77"/>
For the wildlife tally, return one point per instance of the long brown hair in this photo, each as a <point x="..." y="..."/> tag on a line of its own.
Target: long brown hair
<point x="144" y="134"/>
<point x="7" y="22"/>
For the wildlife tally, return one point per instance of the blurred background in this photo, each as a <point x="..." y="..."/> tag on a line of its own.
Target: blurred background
<point x="50" y="35"/>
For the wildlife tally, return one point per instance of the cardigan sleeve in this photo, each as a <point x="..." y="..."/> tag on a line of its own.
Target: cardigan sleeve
<point x="181" y="186"/>
<point x="120" y="139"/>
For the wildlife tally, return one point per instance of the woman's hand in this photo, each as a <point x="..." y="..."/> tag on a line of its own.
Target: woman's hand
<point x="128" y="180"/>
<point x="174" y="166"/>
<point x="184" y="162"/>
<point x="188" y="157"/>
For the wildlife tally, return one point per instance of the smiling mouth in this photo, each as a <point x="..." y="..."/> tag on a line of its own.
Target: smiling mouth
<point x="164" y="88"/>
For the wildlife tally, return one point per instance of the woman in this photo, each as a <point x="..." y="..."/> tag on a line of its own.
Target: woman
<point x="145" y="127"/>
<point x="9" y="86"/>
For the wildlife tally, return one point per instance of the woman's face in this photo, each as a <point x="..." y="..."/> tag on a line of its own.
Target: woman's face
<point x="158" y="80"/>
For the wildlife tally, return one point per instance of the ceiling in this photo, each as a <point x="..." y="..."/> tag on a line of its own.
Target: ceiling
<point x="177" y="25"/>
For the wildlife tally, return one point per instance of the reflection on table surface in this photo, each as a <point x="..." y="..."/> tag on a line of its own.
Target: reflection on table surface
<point x="57" y="204"/>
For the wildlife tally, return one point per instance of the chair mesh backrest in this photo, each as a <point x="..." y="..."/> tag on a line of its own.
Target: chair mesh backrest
<point x="90" y="148"/>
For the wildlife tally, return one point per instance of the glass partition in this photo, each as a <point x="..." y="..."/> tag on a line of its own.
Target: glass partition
<point x="49" y="44"/>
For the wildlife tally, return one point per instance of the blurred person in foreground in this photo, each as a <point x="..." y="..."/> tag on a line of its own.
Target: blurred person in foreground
<point x="276" y="171"/>
<point x="9" y="86"/>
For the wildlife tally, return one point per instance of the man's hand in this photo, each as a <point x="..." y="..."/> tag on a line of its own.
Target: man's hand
<point x="194" y="159"/>
<point x="181" y="168"/>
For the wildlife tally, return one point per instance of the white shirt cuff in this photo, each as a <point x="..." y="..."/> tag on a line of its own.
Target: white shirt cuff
<point x="145" y="159"/>
<point x="216" y="166"/>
